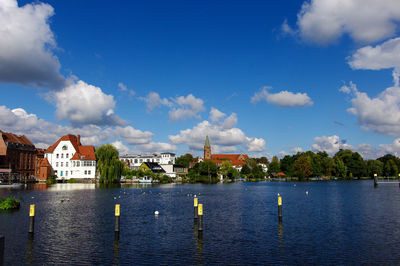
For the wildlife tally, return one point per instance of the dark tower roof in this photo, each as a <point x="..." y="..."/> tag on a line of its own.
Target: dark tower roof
<point x="207" y="142"/>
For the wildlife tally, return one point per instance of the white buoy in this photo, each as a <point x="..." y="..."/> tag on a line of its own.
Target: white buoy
<point x="306" y="192"/>
<point x="156" y="213"/>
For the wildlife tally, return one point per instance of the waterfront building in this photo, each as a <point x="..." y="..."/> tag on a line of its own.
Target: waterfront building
<point x="236" y="160"/>
<point x="135" y="161"/>
<point x="17" y="157"/>
<point x="70" y="159"/>
<point x="153" y="167"/>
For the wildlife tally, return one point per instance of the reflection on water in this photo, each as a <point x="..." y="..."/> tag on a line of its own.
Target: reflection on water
<point x="336" y="223"/>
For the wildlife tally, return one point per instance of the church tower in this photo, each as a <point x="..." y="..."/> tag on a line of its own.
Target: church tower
<point x="207" y="150"/>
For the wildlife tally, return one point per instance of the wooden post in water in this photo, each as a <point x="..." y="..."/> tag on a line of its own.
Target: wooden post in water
<point x="195" y="203"/>
<point x="117" y="213"/>
<point x="200" y="222"/>
<point x="399" y="180"/>
<point x="375" y="180"/>
<point x="1" y="250"/>
<point x="31" y="219"/>
<point x="279" y="208"/>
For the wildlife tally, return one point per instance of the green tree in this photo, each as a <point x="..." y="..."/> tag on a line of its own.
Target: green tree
<point x="208" y="168"/>
<point x="353" y="161"/>
<point x="390" y="168"/>
<point x="109" y="166"/>
<point x="245" y="170"/>
<point x="287" y="165"/>
<point x="184" y="160"/>
<point x="303" y="166"/>
<point x="374" y="167"/>
<point x="274" y="166"/>
<point x="341" y="168"/>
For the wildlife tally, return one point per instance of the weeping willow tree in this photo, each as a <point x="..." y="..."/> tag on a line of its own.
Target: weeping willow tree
<point x="109" y="166"/>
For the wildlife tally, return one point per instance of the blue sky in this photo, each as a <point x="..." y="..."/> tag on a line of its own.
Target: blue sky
<point x="259" y="77"/>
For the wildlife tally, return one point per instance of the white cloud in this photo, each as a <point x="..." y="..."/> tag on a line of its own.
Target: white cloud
<point x="133" y="136"/>
<point x="122" y="149"/>
<point x="216" y="115"/>
<point x="282" y="98"/>
<point x="188" y="107"/>
<point x="154" y="100"/>
<point x="224" y="138"/>
<point x="26" y="45"/>
<point x="82" y="103"/>
<point x="157" y="147"/>
<point x="124" y="88"/>
<point x="385" y="55"/>
<point x="380" y="114"/>
<point x="331" y="144"/>
<point x="346" y="89"/>
<point x="323" y="21"/>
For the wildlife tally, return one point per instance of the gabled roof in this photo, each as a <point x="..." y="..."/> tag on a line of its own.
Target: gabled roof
<point x="85" y="153"/>
<point x="45" y="163"/>
<point x="75" y="141"/>
<point x="12" y="138"/>
<point x="154" y="167"/>
<point x="234" y="159"/>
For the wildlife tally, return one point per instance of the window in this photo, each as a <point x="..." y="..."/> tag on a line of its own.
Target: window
<point x="56" y="164"/>
<point x="62" y="155"/>
<point x="135" y="160"/>
<point x="71" y="172"/>
<point x="85" y="172"/>
<point x="66" y="164"/>
<point x="66" y="173"/>
<point x="140" y="160"/>
<point x="78" y="163"/>
<point x="61" y="173"/>
<point x="73" y="163"/>
<point x="88" y="172"/>
<point x="65" y="147"/>
<point x="62" y="164"/>
<point x="66" y="155"/>
<point x="57" y="155"/>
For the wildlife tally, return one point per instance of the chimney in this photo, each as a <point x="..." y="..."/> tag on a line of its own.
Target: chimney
<point x="78" y="140"/>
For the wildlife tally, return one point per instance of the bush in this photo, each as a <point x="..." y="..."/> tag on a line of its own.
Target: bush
<point x="9" y="204"/>
<point x="51" y="180"/>
<point x="72" y="181"/>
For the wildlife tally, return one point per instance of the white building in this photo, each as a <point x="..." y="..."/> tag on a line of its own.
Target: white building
<point x="69" y="159"/>
<point x="166" y="160"/>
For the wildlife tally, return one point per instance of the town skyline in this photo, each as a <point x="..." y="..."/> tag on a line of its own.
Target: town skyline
<point x="258" y="78"/>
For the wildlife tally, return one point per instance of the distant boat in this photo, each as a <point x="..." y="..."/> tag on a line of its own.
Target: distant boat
<point x="145" y="180"/>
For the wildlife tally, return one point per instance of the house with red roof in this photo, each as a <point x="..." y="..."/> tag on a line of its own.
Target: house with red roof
<point x="17" y="157"/>
<point x="70" y="159"/>
<point x="236" y="160"/>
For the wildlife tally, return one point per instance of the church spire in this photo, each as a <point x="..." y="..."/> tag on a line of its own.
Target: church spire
<point x="207" y="142"/>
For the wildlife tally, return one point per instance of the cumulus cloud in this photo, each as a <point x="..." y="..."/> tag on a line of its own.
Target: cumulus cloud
<point x="82" y="103"/>
<point x="216" y="117"/>
<point x="188" y="107"/>
<point x="385" y="55"/>
<point x="380" y="114"/>
<point x="331" y="144"/>
<point x="133" y="136"/>
<point x="157" y="147"/>
<point x="226" y="138"/>
<point x="26" y="46"/>
<point x="283" y="98"/>
<point x="366" y="21"/>
<point x="153" y="100"/>
<point x="180" y="107"/>
<point x="122" y="149"/>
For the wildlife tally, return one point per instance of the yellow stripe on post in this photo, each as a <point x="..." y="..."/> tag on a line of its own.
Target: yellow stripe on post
<point x="32" y="210"/>
<point x="117" y="212"/>
<point x="200" y="209"/>
<point x="279" y="201"/>
<point x="195" y="202"/>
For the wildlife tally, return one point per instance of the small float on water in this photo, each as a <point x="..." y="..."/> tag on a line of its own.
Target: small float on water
<point x="145" y="180"/>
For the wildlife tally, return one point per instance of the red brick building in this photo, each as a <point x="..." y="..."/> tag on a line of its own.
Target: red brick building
<point x="17" y="157"/>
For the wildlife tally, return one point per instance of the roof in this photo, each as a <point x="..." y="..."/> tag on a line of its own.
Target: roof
<point x="85" y="153"/>
<point x="12" y="138"/>
<point x="45" y="163"/>
<point x="154" y="167"/>
<point x="234" y="159"/>
<point x="207" y="142"/>
<point x="75" y="141"/>
<point x="82" y="152"/>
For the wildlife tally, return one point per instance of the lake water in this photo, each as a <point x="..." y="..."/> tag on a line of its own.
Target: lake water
<point x="336" y="223"/>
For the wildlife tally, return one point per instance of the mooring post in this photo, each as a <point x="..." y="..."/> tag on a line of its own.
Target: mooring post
<point x="399" y="180"/>
<point x="200" y="222"/>
<point x="1" y="250"/>
<point x="31" y="219"/>
<point x="195" y="203"/>
<point x="117" y="213"/>
<point x="279" y="208"/>
<point x="375" y="180"/>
